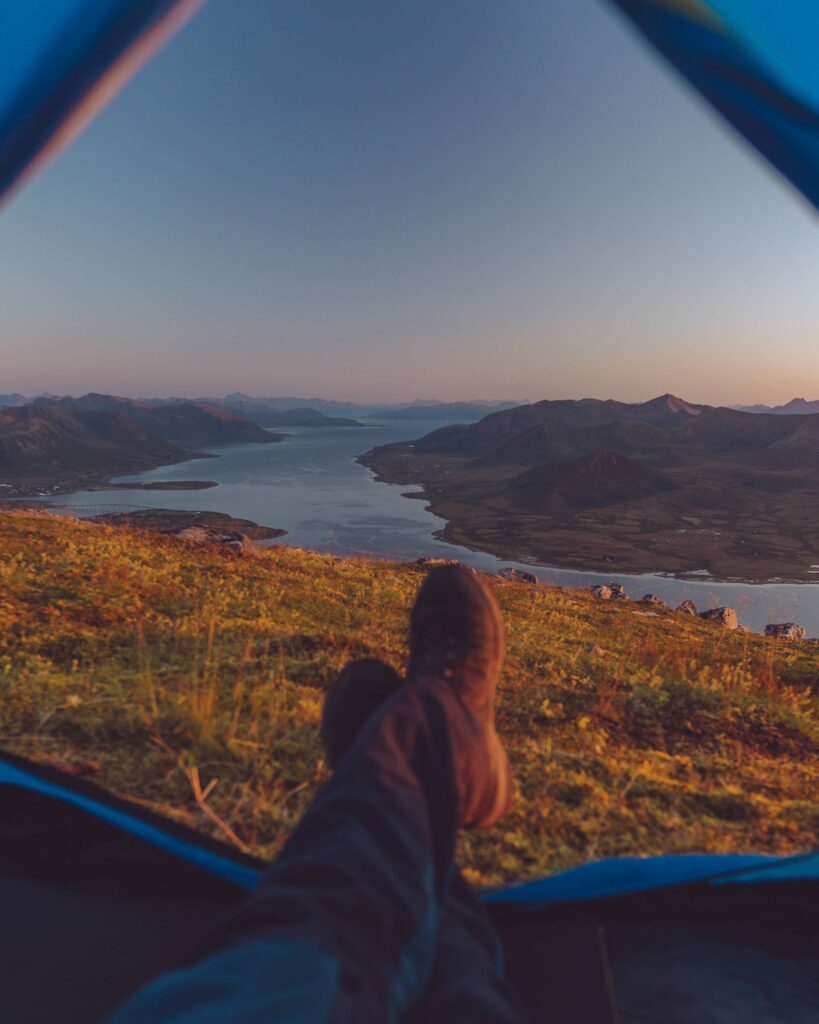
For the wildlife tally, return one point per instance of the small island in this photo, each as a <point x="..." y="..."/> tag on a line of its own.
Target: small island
<point x="161" y="485"/>
<point x="175" y="519"/>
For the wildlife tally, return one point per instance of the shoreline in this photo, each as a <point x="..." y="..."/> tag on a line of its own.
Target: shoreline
<point x="459" y="531"/>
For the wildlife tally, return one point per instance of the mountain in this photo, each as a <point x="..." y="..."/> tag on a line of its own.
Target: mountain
<point x="640" y="487"/>
<point x="556" y="440"/>
<point x="62" y="444"/>
<point x="41" y="441"/>
<point x="12" y="399"/>
<point x="796" y="406"/>
<point x="266" y="410"/>
<point x="468" y="411"/>
<point x="190" y="424"/>
<point x="727" y="430"/>
<point x="260" y="410"/>
<point x="304" y="417"/>
<point x="594" y="480"/>
<point x="488" y="434"/>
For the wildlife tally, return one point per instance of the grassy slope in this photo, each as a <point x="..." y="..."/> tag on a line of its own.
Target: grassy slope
<point x="628" y="733"/>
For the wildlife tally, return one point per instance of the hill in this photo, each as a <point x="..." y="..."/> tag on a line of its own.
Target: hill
<point x="63" y="444"/>
<point x="466" y="411"/>
<point x="41" y="444"/>
<point x="600" y="478"/>
<point x="487" y="435"/>
<point x="191" y="424"/>
<point x="628" y="734"/>
<point x="798" y="406"/>
<point x="667" y="734"/>
<point x="304" y="417"/>
<point x="684" y="488"/>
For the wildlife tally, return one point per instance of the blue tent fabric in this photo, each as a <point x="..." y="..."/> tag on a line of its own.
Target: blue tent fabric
<point x="596" y="880"/>
<point x="756" y="62"/>
<point x="61" y="60"/>
<point x="196" y="854"/>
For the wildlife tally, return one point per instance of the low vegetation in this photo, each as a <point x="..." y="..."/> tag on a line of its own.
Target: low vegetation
<point x="191" y="681"/>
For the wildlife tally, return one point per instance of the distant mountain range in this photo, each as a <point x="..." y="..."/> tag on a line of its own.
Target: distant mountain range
<point x="466" y="411"/>
<point x="186" y="423"/>
<point x="267" y="411"/>
<point x="58" y="444"/>
<point x="796" y="406"/>
<point x="261" y="409"/>
<point x="665" y="484"/>
<point x="272" y="415"/>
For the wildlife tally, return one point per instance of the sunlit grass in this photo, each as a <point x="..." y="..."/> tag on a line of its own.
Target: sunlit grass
<point x="195" y="679"/>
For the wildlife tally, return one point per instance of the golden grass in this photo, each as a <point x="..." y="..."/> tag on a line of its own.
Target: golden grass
<point x="195" y="679"/>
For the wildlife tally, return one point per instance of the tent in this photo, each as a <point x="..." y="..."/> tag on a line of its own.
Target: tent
<point x="108" y="895"/>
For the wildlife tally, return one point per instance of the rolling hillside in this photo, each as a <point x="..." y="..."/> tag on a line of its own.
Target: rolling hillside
<point x="155" y="667"/>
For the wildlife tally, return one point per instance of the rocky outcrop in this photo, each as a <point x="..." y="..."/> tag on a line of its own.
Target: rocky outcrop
<point x="652" y="599"/>
<point x="785" y="631"/>
<point x="518" y="575"/>
<point x="238" y="542"/>
<point x="602" y="591"/>
<point x="618" y="592"/>
<point x="724" y="616"/>
<point x="688" y="608"/>
<point x="432" y="563"/>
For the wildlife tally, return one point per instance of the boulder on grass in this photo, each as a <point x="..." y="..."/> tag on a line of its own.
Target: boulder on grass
<point x="688" y="608"/>
<point x="785" y="631"/>
<point x="432" y="563"/>
<point x="602" y="591"/>
<point x="238" y="542"/>
<point x="652" y="599"/>
<point x="518" y="575"/>
<point x="724" y="616"/>
<point x="618" y="592"/>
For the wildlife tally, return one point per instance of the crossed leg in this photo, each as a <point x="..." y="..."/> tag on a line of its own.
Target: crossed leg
<point x="362" y="917"/>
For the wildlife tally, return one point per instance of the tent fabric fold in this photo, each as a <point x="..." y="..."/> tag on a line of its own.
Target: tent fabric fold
<point x="62" y="61"/>
<point x="755" y="62"/>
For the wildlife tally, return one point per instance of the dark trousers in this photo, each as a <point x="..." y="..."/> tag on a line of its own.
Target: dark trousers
<point x="362" y="918"/>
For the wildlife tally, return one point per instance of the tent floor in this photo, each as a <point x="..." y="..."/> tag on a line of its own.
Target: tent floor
<point x="90" y="913"/>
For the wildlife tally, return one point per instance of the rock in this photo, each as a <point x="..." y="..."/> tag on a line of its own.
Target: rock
<point x="652" y="599"/>
<point x="602" y="591"/>
<point x="432" y="563"/>
<point x="724" y="616"/>
<point x="618" y="592"/>
<point x="785" y="631"/>
<point x="518" y="575"/>
<point x="688" y="608"/>
<point x="238" y="542"/>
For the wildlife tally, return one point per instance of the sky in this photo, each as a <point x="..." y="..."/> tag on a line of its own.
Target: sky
<point x="381" y="200"/>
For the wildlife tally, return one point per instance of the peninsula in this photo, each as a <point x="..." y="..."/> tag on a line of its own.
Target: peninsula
<point x="658" y="486"/>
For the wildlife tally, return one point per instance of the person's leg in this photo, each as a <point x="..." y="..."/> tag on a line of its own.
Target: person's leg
<point x="466" y="983"/>
<point x="344" y="924"/>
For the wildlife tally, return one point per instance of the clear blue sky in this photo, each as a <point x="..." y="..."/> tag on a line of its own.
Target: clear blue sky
<point x="386" y="199"/>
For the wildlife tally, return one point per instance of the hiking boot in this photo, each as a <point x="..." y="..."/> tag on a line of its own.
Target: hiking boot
<point x="457" y="635"/>
<point x="350" y="700"/>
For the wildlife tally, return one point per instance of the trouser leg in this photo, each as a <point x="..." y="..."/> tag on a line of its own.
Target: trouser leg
<point x="344" y="924"/>
<point x="467" y="982"/>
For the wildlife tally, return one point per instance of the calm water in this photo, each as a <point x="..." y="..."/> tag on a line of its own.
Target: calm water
<point x="311" y="486"/>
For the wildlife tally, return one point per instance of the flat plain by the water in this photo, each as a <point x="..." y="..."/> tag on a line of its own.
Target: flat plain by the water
<point x="311" y="486"/>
